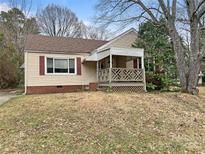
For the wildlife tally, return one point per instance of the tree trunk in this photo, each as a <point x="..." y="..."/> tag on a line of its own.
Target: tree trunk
<point x="194" y="63"/>
<point x="180" y="56"/>
<point x="188" y="72"/>
<point x="194" y="68"/>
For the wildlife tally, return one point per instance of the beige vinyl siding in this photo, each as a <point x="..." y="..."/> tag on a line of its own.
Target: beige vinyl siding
<point x="129" y="64"/>
<point x="125" y="41"/>
<point x="117" y="62"/>
<point x="88" y="70"/>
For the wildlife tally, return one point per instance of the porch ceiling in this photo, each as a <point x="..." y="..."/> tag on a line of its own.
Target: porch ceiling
<point x="132" y="52"/>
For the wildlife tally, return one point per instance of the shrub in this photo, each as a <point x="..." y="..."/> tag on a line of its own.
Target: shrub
<point x="11" y="74"/>
<point x="158" y="81"/>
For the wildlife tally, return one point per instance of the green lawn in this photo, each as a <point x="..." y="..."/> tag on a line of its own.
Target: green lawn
<point x="97" y="122"/>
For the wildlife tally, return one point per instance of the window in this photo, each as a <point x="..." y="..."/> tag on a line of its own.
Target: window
<point x="60" y="66"/>
<point x="49" y="65"/>
<point x="71" y="65"/>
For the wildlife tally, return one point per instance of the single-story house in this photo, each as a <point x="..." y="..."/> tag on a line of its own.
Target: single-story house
<point x="59" y="64"/>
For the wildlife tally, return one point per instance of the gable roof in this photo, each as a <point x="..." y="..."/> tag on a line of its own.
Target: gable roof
<point x="118" y="37"/>
<point x="53" y="44"/>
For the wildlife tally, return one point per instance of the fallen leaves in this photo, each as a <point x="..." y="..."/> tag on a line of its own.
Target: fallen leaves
<point x="97" y="122"/>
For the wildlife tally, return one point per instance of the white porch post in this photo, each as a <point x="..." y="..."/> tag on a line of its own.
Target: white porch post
<point x="143" y="69"/>
<point x="110" y="70"/>
<point x="97" y="71"/>
<point x="142" y="62"/>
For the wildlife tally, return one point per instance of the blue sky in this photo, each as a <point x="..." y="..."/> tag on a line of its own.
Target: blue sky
<point x="84" y="9"/>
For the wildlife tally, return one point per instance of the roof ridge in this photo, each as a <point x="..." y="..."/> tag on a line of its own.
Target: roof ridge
<point x="36" y="42"/>
<point x="64" y="37"/>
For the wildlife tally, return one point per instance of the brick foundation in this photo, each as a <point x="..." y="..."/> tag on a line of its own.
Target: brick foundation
<point x="55" y="89"/>
<point x="93" y="86"/>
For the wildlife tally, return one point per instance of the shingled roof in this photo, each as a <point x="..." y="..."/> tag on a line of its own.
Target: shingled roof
<point x="48" y="44"/>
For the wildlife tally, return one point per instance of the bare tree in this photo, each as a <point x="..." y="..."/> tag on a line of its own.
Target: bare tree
<point x="23" y="5"/>
<point x="55" y="20"/>
<point x="128" y="11"/>
<point x="97" y="33"/>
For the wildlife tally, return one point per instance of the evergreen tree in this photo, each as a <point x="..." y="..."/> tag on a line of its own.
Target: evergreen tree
<point x="159" y="55"/>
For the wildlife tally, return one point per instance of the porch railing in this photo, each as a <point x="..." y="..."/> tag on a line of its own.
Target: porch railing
<point x="120" y="74"/>
<point x="103" y="75"/>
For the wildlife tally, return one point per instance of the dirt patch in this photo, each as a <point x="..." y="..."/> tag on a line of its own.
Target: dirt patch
<point x="97" y="122"/>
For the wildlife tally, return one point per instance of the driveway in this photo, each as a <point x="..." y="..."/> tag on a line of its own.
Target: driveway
<point x="4" y="97"/>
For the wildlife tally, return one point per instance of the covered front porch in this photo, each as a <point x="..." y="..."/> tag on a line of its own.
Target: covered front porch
<point x="120" y="69"/>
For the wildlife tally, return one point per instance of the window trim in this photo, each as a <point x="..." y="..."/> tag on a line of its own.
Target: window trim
<point x="63" y="58"/>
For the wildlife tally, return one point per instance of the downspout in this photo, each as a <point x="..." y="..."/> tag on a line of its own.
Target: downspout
<point x="25" y="71"/>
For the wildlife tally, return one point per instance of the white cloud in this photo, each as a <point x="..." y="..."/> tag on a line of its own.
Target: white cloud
<point x="4" y="7"/>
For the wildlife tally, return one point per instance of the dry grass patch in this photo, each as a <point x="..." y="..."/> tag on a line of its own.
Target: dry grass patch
<point x="97" y="122"/>
<point x="202" y="90"/>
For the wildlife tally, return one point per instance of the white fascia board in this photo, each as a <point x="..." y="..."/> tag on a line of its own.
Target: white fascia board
<point x="98" y="55"/>
<point x="103" y="54"/>
<point x="92" y="57"/>
<point x="134" y="52"/>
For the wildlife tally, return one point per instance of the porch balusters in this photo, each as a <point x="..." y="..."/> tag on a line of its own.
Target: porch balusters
<point x="121" y="75"/>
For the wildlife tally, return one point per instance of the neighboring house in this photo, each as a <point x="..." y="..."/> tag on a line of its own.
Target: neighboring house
<point x="58" y="64"/>
<point x="202" y="72"/>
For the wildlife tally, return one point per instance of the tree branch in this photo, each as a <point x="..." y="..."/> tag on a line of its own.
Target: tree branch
<point x="147" y="10"/>
<point x="164" y="9"/>
<point x="198" y="7"/>
<point x="174" y="6"/>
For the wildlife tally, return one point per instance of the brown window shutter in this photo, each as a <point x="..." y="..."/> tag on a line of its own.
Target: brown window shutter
<point x="42" y="65"/>
<point x="78" y="66"/>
